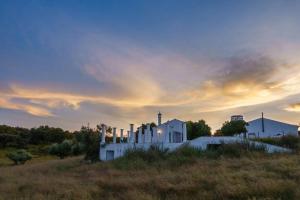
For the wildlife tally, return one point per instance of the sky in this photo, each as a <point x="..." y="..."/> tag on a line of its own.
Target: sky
<point x="72" y="63"/>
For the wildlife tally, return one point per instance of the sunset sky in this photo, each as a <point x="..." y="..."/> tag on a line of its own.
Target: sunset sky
<point x="69" y="63"/>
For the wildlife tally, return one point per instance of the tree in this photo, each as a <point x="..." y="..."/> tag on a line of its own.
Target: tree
<point x="78" y="148"/>
<point x="234" y="127"/>
<point x="19" y="156"/>
<point x="197" y="129"/>
<point x="61" y="150"/>
<point x="7" y="139"/>
<point x="47" y="135"/>
<point x="90" y="140"/>
<point x="218" y="133"/>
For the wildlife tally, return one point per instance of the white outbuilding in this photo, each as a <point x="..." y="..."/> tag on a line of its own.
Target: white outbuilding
<point x="263" y="127"/>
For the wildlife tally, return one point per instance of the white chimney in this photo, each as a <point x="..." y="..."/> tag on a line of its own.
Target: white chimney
<point x="132" y="135"/>
<point x="121" y="135"/>
<point x="159" y="119"/>
<point x="148" y="134"/>
<point x="140" y="135"/>
<point x="128" y="136"/>
<point x="114" y="135"/>
<point x="103" y="129"/>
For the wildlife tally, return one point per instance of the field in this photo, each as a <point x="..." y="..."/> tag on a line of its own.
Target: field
<point x="255" y="176"/>
<point x="39" y="153"/>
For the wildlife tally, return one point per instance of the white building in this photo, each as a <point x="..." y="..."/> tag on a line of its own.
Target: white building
<point x="173" y="134"/>
<point x="168" y="135"/>
<point x="237" y="118"/>
<point x="263" y="127"/>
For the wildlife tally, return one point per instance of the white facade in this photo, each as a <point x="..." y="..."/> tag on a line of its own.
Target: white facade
<point x="173" y="131"/>
<point x="168" y="135"/>
<point x="263" y="127"/>
<point x="173" y="134"/>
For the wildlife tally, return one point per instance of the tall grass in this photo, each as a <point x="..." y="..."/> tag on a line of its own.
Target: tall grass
<point x="155" y="157"/>
<point x="261" y="177"/>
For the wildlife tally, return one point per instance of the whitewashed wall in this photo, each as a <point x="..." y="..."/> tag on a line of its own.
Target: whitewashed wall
<point x="272" y="128"/>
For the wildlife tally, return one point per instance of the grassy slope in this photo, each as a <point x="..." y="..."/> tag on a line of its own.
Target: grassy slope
<point x="256" y="177"/>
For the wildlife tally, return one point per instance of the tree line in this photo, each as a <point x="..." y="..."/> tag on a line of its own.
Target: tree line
<point x="86" y="141"/>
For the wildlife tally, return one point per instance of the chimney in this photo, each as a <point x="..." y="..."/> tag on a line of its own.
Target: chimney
<point x="148" y="134"/>
<point x="114" y="135"/>
<point x="140" y="135"/>
<point x="132" y="135"/>
<point x="103" y="127"/>
<point x="128" y="136"/>
<point x="159" y="119"/>
<point x="262" y="122"/>
<point x="121" y="135"/>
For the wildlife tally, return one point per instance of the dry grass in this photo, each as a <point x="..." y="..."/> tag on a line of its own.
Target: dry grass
<point x="256" y="177"/>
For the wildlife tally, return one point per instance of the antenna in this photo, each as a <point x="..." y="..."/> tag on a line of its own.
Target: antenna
<point x="262" y="122"/>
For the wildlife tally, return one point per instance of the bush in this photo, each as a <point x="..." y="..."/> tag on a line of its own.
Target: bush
<point x="156" y="157"/>
<point x="78" y="148"/>
<point x="19" y="156"/>
<point x="233" y="127"/>
<point x="288" y="141"/>
<point x="61" y="150"/>
<point x="7" y="139"/>
<point x="238" y="149"/>
<point x="140" y="158"/>
<point x="197" y="129"/>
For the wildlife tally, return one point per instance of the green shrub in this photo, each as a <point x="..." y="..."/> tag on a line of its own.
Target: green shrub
<point x="238" y="149"/>
<point x="140" y="158"/>
<point x="19" y="156"/>
<point x="288" y="141"/>
<point x="61" y="150"/>
<point x="156" y="157"/>
<point x="78" y="148"/>
<point x="6" y="139"/>
<point x="10" y="140"/>
<point x="92" y="148"/>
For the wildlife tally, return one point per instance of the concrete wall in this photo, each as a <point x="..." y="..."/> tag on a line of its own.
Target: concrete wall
<point x="120" y="148"/>
<point x="203" y="142"/>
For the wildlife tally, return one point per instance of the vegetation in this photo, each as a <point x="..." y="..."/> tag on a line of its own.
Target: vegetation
<point x="21" y="137"/>
<point x="57" y="141"/>
<point x="19" y="156"/>
<point x="89" y="139"/>
<point x="201" y="176"/>
<point x="197" y="129"/>
<point x="287" y="141"/>
<point x="233" y="127"/>
<point x="61" y="150"/>
<point x="226" y="171"/>
<point x="155" y="157"/>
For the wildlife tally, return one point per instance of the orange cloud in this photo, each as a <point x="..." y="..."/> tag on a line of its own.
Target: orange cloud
<point x="293" y="107"/>
<point x="34" y="110"/>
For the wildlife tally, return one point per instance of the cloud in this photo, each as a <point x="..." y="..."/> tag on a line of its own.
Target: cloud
<point x="247" y="81"/>
<point x="295" y="107"/>
<point x="33" y="110"/>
